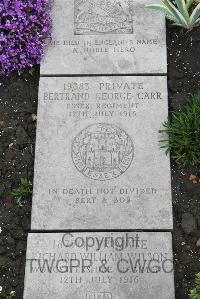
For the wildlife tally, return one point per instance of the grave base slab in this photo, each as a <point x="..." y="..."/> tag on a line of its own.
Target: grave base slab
<point x="103" y="265"/>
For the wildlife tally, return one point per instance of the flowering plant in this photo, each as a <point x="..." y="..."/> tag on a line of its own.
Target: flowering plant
<point x="25" y="28"/>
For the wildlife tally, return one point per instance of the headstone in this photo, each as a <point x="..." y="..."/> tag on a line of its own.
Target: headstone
<point x="98" y="161"/>
<point x="99" y="266"/>
<point x="106" y="37"/>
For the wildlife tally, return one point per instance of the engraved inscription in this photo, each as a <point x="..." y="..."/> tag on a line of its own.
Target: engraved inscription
<point x="103" y="16"/>
<point x="99" y="295"/>
<point x="102" y="151"/>
<point x="100" y="265"/>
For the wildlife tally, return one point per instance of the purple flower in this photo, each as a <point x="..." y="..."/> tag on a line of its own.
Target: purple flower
<point x="25" y="28"/>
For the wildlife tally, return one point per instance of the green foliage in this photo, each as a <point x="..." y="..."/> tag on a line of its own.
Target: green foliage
<point x="195" y="293"/>
<point x="183" y="131"/>
<point x="7" y="295"/>
<point x="22" y="192"/>
<point x="180" y="13"/>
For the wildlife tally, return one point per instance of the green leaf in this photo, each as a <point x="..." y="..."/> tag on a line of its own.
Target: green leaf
<point x="184" y="134"/>
<point x="180" y="25"/>
<point x="198" y="276"/>
<point x="177" y="14"/>
<point x="171" y="12"/>
<point x="23" y="181"/>
<point x="160" y="7"/>
<point x="183" y="9"/>
<point x="189" y="3"/>
<point x="195" y="15"/>
<point x="164" y="9"/>
<point x="169" y="5"/>
<point x="175" y="22"/>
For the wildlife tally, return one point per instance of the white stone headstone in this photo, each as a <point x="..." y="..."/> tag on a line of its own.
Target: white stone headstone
<point x="98" y="161"/>
<point x="99" y="266"/>
<point x="106" y="37"/>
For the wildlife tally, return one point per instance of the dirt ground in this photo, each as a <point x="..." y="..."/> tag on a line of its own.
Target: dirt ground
<point x="18" y="100"/>
<point x="183" y="81"/>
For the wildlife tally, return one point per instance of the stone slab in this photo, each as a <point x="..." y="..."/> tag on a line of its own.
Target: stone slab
<point x="99" y="266"/>
<point x="105" y="37"/>
<point x="98" y="161"/>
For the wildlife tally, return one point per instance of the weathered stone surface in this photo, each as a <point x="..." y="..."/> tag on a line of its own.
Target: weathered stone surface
<point x="109" y="37"/>
<point x="99" y="265"/>
<point x="98" y="162"/>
